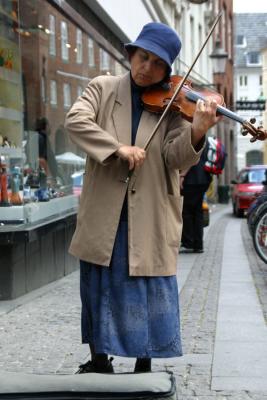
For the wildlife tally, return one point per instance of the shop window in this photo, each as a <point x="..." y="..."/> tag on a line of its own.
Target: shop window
<point x="104" y="60"/>
<point x="91" y="53"/>
<point x="64" y="41"/>
<point x="53" y="92"/>
<point x="39" y="165"/>
<point x="79" y="46"/>
<point x="52" y="35"/>
<point x="66" y="95"/>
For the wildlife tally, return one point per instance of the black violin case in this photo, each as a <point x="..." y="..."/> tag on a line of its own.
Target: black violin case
<point x="91" y="386"/>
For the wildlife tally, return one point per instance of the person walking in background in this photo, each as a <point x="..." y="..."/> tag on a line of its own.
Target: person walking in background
<point x="194" y="184"/>
<point x="128" y="233"/>
<point x="39" y="142"/>
<point x="47" y="158"/>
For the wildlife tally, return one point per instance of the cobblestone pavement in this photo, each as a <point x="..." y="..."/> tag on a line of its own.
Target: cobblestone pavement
<point x="42" y="333"/>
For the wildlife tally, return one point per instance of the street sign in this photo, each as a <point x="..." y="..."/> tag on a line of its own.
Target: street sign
<point x="258" y="105"/>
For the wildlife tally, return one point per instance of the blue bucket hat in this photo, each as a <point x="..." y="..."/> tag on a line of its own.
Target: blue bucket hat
<point x="160" y="40"/>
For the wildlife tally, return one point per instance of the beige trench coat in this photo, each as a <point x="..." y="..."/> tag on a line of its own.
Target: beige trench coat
<point x="98" y="123"/>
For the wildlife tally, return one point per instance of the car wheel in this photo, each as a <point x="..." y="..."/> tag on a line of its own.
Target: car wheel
<point x="238" y="212"/>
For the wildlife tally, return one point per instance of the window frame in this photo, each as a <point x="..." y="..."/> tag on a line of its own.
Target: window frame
<point x="53" y="92"/>
<point x="244" y="41"/>
<point x="104" y="60"/>
<point x="91" y="52"/>
<point x="79" y="46"/>
<point x="79" y="90"/>
<point x="254" y="53"/>
<point x="52" y="35"/>
<point x="66" y="95"/>
<point x="64" y="41"/>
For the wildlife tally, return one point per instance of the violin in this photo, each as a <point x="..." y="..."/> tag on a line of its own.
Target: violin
<point x="156" y="99"/>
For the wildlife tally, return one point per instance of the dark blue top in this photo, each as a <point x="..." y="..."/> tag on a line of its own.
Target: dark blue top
<point x="137" y="109"/>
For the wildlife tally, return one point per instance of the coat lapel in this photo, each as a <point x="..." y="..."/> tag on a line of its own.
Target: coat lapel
<point x="122" y="113"/>
<point x="146" y="125"/>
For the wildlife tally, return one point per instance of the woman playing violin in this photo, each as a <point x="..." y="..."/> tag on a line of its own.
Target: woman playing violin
<point x="128" y="232"/>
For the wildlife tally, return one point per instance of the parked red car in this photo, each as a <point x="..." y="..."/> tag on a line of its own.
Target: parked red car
<point x="247" y="187"/>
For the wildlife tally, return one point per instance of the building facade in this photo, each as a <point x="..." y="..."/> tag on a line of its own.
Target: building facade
<point x="249" y="40"/>
<point x="49" y="51"/>
<point x="223" y="81"/>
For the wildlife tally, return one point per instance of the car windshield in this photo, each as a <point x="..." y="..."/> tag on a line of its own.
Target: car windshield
<point x="252" y="176"/>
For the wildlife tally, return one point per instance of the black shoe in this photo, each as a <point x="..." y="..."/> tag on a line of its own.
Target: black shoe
<point x="186" y="250"/>
<point x="198" y="250"/>
<point x="143" y="365"/>
<point x="92" y="366"/>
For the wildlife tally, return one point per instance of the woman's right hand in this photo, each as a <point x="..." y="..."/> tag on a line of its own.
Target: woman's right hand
<point x="133" y="154"/>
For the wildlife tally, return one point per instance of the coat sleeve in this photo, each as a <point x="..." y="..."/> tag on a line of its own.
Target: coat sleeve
<point x="82" y="126"/>
<point x="178" y="151"/>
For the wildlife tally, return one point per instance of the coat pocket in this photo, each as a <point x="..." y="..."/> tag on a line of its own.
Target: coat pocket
<point x="88" y="182"/>
<point x="174" y="220"/>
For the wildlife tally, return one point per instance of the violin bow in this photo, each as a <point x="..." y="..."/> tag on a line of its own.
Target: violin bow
<point x="177" y="90"/>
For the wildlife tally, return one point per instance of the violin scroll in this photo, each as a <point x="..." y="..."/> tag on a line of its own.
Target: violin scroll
<point x="257" y="133"/>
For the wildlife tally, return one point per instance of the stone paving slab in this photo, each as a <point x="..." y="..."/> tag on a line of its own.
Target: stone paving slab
<point x="240" y="384"/>
<point x="235" y="331"/>
<point x="241" y="341"/>
<point x="240" y="359"/>
<point x="239" y="313"/>
<point x="239" y="294"/>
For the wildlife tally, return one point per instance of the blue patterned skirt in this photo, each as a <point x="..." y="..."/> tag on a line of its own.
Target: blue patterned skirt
<point x="129" y="316"/>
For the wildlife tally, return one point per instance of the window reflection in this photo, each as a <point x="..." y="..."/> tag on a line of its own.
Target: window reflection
<point x="91" y="53"/>
<point x="64" y="41"/>
<point x="79" y="46"/>
<point x="104" y="60"/>
<point x="52" y="37"/>
<point x="46" y="62"/>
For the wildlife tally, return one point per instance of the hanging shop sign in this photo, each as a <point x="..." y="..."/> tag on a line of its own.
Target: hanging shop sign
<point x="258" y="105"/>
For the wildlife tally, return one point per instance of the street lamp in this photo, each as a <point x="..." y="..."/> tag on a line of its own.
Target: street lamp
<point x="219" y="57"/>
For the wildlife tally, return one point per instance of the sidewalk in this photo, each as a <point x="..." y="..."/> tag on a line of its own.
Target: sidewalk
<point x="223" y="328"/>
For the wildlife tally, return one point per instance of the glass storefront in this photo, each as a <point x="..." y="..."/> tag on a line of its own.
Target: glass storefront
<point x="46" y="61"/>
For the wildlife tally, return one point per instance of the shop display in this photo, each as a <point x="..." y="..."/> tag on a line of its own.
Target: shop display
<point x="4" y="202"/>
<point x="15" y="184"/>
<point x="24" y="194"/>
<point x="41" y="173"/>
<point x="5" y="142"/>
<point x="42" y="193"/>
